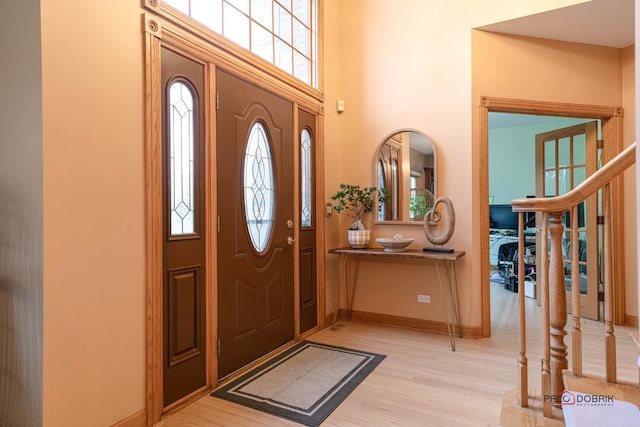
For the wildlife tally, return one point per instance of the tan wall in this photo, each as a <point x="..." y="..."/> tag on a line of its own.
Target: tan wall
<point x="410" y="66"/>
<point x="94" y="317"/>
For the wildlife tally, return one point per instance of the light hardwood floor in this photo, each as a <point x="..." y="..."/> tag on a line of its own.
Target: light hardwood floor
<point x="422" y="382"/>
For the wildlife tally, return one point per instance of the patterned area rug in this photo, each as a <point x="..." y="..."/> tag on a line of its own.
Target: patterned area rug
<point x="304" y="384"/>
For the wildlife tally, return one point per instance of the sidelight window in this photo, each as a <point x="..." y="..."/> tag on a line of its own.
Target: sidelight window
<point x="306" y="181"/>
<point x="181" y="158"/>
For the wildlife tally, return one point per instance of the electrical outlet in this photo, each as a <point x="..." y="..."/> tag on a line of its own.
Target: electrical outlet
<point x="424" y="298"/>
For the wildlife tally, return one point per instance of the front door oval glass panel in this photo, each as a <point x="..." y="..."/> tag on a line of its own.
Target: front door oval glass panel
<point x="181" y="158"/>
<point x="259" y="188"/>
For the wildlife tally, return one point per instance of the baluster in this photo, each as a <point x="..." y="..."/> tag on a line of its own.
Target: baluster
<point x="523" y="397"/>
<point x="558" y="307"/>
<point x="543" y="278"/>
<point x="610" y="339"/>
<point x="575" y="295"/>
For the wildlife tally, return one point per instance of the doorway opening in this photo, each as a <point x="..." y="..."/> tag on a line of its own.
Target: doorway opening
<point x="526" y="153"/>
<point x="610" y="131"/>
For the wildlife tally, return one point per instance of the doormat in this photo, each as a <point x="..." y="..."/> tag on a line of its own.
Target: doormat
<point x="303" y="384"/>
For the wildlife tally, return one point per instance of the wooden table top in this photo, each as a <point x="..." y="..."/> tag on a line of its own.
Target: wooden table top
<point x="409" y="253"/>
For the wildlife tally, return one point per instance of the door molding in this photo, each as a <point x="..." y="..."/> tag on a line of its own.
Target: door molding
<point x="159" y="32"/>
<point x="611" y="119"/>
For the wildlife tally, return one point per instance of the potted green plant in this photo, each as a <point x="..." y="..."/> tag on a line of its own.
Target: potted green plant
<point x="356" y="201"/>
<point x="420" y="202"/>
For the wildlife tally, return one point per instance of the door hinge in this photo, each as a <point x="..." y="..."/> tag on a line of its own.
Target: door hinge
<point x="600" y="219"/>
<point x="218" y="346"/>
<point x="218" y="223"/>
<point x="600" y="298"/>
<point x="600" y="144"/>
<point x="217" y="101"/>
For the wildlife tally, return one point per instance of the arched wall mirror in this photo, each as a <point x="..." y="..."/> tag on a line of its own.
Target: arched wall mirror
<point x="405" y="166"/>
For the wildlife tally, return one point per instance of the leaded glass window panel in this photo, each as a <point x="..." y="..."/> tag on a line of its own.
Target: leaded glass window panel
<point x="259" y="187"/>
<point x="241" y="5"/>
<point x="207" y="12"/>
<point x="301" y="10"/>
<point x="283" y="56"/>
<point x="235" y="25"/>
<point x="300" y="66"/>
<point x="282" y="23"/>
<point x="306" y="178"/>
<point x="286" y="3"/>
<point x="261" y="42"/>
<point x="283" y="32"/>
<point x="181" y="158"/>
<point x="262" y="12"/>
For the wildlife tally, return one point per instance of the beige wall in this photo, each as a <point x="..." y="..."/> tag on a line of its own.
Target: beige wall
<point x="94" y="317"/>
<point x="411" y="66"/>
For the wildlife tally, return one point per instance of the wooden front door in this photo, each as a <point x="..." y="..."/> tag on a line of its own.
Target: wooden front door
<point x="255" y="222"/>
<point x="183" y="291"/>
<point x="564" y="158"/>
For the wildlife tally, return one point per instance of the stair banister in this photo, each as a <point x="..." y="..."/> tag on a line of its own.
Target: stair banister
<point x="593" y="183"/>
<point x="551" y="279"/>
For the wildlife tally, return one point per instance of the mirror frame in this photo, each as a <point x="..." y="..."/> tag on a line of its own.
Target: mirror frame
<point x="376" y="158"/>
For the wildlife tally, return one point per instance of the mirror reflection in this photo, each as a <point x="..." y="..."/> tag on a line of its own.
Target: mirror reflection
<point x="405" y="166"/>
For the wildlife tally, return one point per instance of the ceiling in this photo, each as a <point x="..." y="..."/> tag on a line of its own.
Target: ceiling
<point x="598" y="22"/>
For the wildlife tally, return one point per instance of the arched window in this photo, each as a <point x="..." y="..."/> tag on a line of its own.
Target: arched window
<point x="306" y="178"/>
<point x="181" y="158"/>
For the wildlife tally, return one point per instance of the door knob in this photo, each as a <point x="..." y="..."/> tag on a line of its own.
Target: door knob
<point x="290" y="241"/>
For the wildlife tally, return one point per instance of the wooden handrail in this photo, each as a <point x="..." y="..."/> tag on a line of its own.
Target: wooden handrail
<point x="589" y="186"/>
<point x="552" y="282"/>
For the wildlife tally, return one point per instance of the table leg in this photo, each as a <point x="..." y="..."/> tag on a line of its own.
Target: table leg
<point x="337" y="306"/>
<point x="354" y="282"/>
<point x="451" y="333"/>
<point x="349" y="286"/>
<point x="455" y="301"/>
<point x="452" y="286"/>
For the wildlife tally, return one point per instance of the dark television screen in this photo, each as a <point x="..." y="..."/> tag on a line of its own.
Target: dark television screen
<point x="501" y="217"/>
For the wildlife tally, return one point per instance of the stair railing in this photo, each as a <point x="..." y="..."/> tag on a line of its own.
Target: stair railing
<point x="550" y="278"/>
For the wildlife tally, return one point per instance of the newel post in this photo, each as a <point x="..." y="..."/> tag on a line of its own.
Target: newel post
<point x="558" y="305"/>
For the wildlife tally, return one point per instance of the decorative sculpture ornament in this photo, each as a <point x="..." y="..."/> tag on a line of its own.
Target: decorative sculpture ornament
<point x="432" y="219"/>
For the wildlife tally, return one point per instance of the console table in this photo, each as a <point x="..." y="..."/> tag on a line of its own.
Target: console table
<point x="448" y="259"/>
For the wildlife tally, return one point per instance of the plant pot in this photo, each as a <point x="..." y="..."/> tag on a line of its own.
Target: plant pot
<point x="359" y="239"/>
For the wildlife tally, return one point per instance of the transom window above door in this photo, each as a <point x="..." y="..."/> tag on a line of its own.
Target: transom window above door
<point x="282" y="32"/>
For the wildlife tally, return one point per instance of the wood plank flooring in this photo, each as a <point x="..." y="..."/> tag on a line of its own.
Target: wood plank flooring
<point x="422" y="382"/>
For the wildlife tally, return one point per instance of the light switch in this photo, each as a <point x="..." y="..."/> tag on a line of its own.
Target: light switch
<point x="340" y="106"/>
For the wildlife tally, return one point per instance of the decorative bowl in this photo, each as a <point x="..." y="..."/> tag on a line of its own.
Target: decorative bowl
<point x="397" y="243"/>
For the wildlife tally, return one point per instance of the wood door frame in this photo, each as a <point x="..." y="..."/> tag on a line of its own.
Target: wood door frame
<point x="611" y="119"/>
<point x="212" y="51"/>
